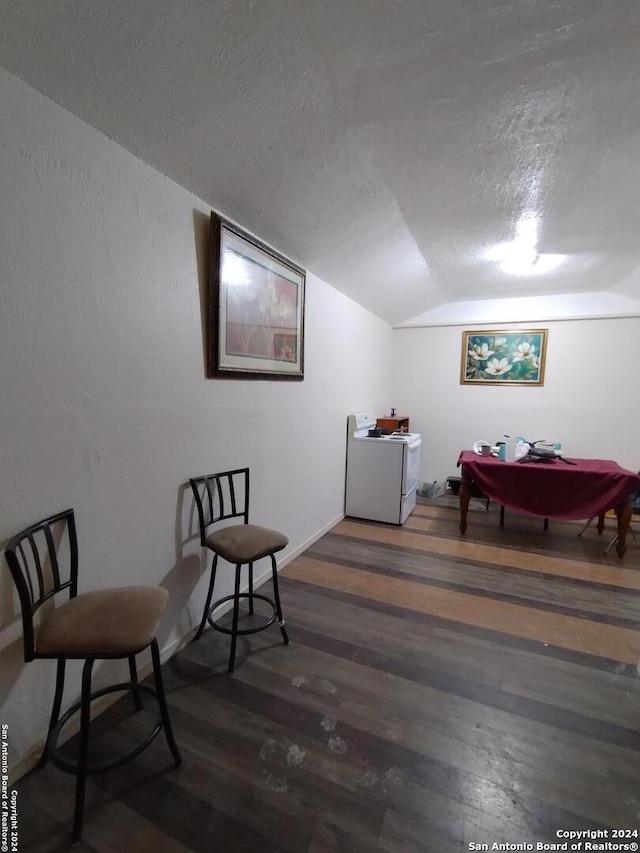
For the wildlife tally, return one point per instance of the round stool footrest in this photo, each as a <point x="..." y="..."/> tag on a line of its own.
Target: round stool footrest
<point x="251" y="595"/>
<point x="70" y="766"/>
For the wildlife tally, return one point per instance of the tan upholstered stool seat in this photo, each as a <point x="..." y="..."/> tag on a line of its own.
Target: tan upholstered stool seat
<point x="109" y="622"/>
<point x="244" y="543"/>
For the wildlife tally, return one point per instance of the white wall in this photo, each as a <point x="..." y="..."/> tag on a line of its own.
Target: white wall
<point x="589" y="401"/>
<point x="104" y="402"/>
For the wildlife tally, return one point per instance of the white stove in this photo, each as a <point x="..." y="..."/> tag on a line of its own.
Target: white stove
<point x="382" y="471"/>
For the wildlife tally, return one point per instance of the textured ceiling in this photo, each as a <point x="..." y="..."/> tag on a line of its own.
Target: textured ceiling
<point x="410" y="152"/>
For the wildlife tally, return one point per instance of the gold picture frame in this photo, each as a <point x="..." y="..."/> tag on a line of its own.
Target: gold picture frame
<point x="503" y="357"/>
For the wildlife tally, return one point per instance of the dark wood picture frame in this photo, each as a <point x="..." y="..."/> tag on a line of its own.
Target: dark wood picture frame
<point x="255" y="308"/>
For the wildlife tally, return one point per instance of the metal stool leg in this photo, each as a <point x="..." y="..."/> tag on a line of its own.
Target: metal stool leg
<point x="133" y="673"/>
<point x="55" y="710"/>
<point x="614" y="541"/>
<point x="611" y="544"/>
<point x="234" y="628"/>
<point x="586" y="525"/>
<point x="162" y="702"/>
<point x="251" y="588"/>
<point x="81" y="778"/>
<point x="276" y="595"/>
<point x="205" y="613"/>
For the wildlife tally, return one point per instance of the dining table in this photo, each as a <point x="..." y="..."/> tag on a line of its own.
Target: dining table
<point x="562" y="488"/>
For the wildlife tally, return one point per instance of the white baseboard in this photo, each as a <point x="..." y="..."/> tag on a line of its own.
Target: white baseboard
<point x="296" y="553"/>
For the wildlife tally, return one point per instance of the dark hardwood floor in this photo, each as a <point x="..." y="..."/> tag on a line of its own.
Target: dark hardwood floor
<point x="439" y="691"/>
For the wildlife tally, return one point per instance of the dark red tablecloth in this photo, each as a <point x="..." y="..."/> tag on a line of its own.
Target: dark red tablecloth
<point x="551" y="489"/>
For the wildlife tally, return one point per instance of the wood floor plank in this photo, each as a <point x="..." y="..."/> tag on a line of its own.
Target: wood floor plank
<point x="203" y="804"/>
<point x="366" y="716"/>
<point x="573" y="788"/>
<point x="381" y="755"/>
<point x="492" y="554"/>
<point x="612" y="697"/>
<point x="553" y="593"/>
<point x="437" y="691"/>
<point x="398" y="703"/>
<point x="596" y="639"/>
<point x="433" y="623"/>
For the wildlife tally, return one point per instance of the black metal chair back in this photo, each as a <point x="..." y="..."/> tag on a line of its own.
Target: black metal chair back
<point x="43" y="560"/>
<point x="220" y="497"/>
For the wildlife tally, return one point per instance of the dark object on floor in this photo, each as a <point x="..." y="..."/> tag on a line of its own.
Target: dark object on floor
<point x="454" y="484"/>
<point x="111" y="623"/>
<point x="224" y="496"/>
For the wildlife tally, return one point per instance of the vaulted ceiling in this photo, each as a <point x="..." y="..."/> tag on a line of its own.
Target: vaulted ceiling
<point x="415" y="154"/>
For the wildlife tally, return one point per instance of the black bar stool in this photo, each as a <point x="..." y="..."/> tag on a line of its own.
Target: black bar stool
<point x="224" y="496"/>
<point x="111" y="623"/>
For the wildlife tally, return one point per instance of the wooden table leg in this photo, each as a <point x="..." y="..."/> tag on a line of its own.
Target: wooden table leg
<point x="623" y="515"/>
<point x="600" y="526"/>
<point x="465" y="495"/>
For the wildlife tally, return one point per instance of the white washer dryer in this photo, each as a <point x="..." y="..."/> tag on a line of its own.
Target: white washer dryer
<point x="382" y="472"/>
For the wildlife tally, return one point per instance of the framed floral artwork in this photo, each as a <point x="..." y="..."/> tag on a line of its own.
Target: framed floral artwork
<point x="255" y="310"/>
<point x="515" y="357"/>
